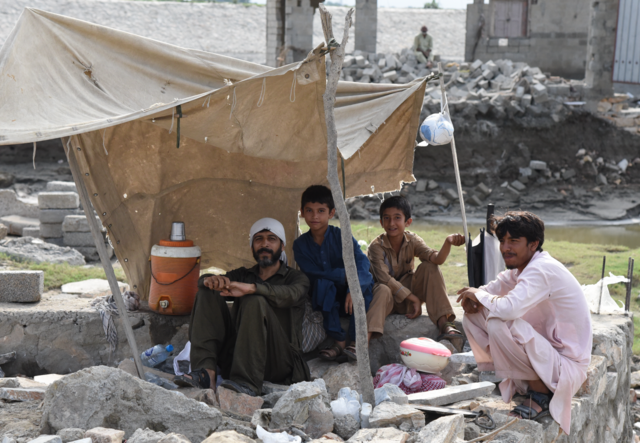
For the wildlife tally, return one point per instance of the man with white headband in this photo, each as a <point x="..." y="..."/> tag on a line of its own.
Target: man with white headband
<point x="259" y="338"/>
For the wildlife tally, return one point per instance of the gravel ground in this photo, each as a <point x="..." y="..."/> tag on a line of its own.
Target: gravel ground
<point x="236" y="30"/>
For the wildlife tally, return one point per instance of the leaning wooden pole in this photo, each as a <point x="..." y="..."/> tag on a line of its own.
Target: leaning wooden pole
<point x="329" y="98"/>
<point x="104" y="257"/>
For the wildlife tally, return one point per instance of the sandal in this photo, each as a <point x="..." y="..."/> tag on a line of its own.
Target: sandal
<point x="350" y="351"/>
<point x="196" y="379"/>
<point x="450" y="327"/>
<point x="330" y="354"/>
<point x="528" y="412"/>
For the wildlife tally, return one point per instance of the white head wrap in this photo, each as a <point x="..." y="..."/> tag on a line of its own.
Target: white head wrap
<point x="272" y="225"/>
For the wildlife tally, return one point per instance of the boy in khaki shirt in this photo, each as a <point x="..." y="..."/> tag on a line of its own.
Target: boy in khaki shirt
<point x="398" y="289"/>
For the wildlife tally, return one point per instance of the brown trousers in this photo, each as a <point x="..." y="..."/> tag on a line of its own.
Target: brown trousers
<point x="427" y="283"/>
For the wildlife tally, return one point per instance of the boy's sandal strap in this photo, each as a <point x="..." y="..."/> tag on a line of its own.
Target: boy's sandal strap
<point x="331" y="353"/>
<point x="541" y="399"/>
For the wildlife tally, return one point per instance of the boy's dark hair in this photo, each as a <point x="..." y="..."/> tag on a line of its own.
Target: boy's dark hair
<point x="398" y="202"/>
<point x="317" y="194"/>
<point x="520" y="224"/>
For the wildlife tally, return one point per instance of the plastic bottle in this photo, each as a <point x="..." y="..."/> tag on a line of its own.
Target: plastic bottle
<point x="156" y="355"/>
<point x="153" y="378"/>
<point x="364" y="415"/>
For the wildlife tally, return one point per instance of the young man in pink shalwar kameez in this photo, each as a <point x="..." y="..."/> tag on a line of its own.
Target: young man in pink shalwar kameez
<point x="532" y="324"/>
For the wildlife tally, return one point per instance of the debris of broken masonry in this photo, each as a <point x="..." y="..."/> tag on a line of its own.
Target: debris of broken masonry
<point x="425" y="390"/>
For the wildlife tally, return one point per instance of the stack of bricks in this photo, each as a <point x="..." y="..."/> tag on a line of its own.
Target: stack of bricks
<point x="54" y="206"/>
<point x="76" y="234"/>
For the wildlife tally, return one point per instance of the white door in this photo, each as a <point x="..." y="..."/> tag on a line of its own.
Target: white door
<point x="626" y="65"/>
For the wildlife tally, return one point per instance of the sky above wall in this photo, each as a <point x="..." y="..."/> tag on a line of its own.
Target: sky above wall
<point x="445" y="4"/>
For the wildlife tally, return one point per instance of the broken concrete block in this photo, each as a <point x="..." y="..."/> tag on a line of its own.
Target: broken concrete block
<point x="348" y="61"/>
<point x="443" y="430"/>
<point x="78" y="239"/>
<point x="340" y="376"/>
<point x="474" y="200"/>
<point x="71" y="435"/>
<point x="452" y="394"/>
<point x="31" y="231"/>
<point x="601" y="180"/>
<point x="390" y="75"/>
<point x="421" y="185"/>
<point x="526" y="100"/>
<point x="463" y="357"/>
<point x="104" y="435"/>
<point x="47" y="439"/>
<point x="538" y="165"/>
<point x="305" y="404"/>
<point x="489" y="376"/>
<point x="365" y="79"/>
<point x="82" y="440"/>
<point x="403" y="416"/>
<point x="228" y="436"/>
<point x="346" y="426"/>
<point x="318" y="367"/>
<point x="514" y="192"/>
<point x="10" y="204"/>
<point x="47" y="379"/>
<point x="90" y="253"/>
<point x="9" y="383"/>
<point x="50" y="230"/>
<point x="483" y="190"/>
<point x="392" y="393"/>
<point x="22" y="394"/>
<point x="539" y="93"/>
<point x="360" y="61"/>
<point x="451" y="194"/>
<point x="439" y="200"/>
<point x="174" y="438"/>
<point x="520" y="92"/>
<point x="17" y="223"/>
<point x="78" y="223"/>
<point x="431" y="185"/>
<point x="238" y="404"/>
<point x="21" y="286"/>
<point x="569" y="173"/>
<point x="58" y="200"/>
<point x="59" y="186"/>
<point x="380" y="435"/>
<point x="56" y="215"/>
<point x="146" y="436"/>
<point x="518" y="186"/>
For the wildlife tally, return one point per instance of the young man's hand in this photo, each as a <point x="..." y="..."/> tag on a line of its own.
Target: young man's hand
<point x="237" y="289"/>
<point x="467" y="298"/>
<point x="416" y="307"/>
<point x="348" y="304"/>
<point x="216" y="282"/>
<point x="456" y="239"/>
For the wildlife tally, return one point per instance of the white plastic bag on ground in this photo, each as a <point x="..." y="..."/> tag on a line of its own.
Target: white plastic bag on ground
<point x="348" y="402"/>
<point x="592" y="294"/>
<point x="184" y="355"/>
<point x="272" y="437"/>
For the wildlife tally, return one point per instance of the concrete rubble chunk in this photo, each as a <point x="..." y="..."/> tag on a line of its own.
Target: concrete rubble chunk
<point x="9" y="383"/>
<point x="17" y="223"/>
<point x="569" y="173"/>
<point x="318" y="367"/>
<point x="380" y="435"/>
<point x="403" y="416"/>
<point x="82" y="440"/>
<point x="421" y="185"/>
<point x="87" y="398"/>
<point x="91" y="288"/>
<point x="146" y="436"/>
<point x="47" y="439"/>
<point x="31" y="231"/>
<point x="78" y="238"/>
<point x="21" y="286"/>
<point x="60" y="186"/>
<point x="47" y="379"/>
<point x="270" y="388"/>
<point x="79" y="223"/>
<point x="58" y="200"/>
<point x="104" y="435"/>
<point x="261" y="417"/>
<point x="4" y="231"/>
<point x="431" y="185"/>
<point x="228" y="437"/>
<point x="56" y="215"/>
<point x="601" y="180"/>
<point x="508" y="436"/>
<point x="463" y="357"/>
<point x="36" y="250"/>
<point x="11" y="204"/>
<point x="451" y="194"/>
<point x="391" y="392"/>
<point x="340" y="376"/>
<point x="518" y="185"/>
<point x="346" y="426"/>
<point x="50" y="230"/>
<point x="237" y="404"/>
<point x="538" y="165"/>
<point x="443" y="430"/>
<point x="304" y="404"/>
<point x="452" y="394"/>
<point x="360" y="61"/>
<point x="72" y="434"/>
<point x="174" y="438"/>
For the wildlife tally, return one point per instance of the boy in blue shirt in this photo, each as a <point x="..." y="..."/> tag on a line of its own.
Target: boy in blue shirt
<point x="318" y="252"/>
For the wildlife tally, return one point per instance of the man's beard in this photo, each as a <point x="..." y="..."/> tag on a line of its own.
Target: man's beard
<point x="265" y="262"/>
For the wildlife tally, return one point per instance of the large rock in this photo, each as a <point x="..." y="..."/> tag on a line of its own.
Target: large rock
<point x="58" y="200"/>
<point x="10" y="204"/>
<point x="382" y="435"/>
<point x="318" y="367"/>
<point x="403" y="416"/>
<point x="341" y="376"/>
<point x="304" y="404"/>
<point x="104" y="435"/>
<point x="237" y="404"/>
<point x="443" y="430"/>
<point x="103" y="396"/>
<point x="228" y="437"/>
<point x="37" y="251"/>
<point x="73" y="434"/>
<point x="346" y="426"/>
<point x="17" y="223"/>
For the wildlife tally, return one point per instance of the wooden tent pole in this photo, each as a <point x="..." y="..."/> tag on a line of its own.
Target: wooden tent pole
<point x="104" y="258"/>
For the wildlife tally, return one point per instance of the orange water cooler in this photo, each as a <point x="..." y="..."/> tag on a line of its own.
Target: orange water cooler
<point x="175" y="269"/>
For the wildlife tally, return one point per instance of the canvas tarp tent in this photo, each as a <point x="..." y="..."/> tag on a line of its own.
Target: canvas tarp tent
<point x="252" y="138"/>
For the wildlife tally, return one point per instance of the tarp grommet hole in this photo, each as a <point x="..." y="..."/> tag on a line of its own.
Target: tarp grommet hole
<point x="87" y="174"/>
<point x="104" y="213"/>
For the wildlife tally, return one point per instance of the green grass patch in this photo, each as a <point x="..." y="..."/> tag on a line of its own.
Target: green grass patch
<point x="56" y="275"/>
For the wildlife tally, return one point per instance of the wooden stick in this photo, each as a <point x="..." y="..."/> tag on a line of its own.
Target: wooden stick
<point x="104" y="257"/>
<point x="627" y="303"/>
<point x="495" y="433"/>
<point x="604" y="262"/>
<point x="456" y="169"/>
<point x="329" y="99"/>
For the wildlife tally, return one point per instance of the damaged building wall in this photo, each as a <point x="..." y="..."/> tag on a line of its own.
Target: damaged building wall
<point x="545" y="33"/>
<point x="603" y="20"/>
<point x="366" y="25"/>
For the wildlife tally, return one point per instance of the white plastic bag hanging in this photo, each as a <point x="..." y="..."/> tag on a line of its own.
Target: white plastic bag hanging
<point x="437" y="129"/>
<point x="592" y="294"/>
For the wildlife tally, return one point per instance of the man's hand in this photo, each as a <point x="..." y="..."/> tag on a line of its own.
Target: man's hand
<point x="237" y="289"/>
<point x="416" y="307"/>
<point x="456" y="239"/>
<point x="216" y="282"/>
<point x="467" y="298"/>
<point x="348" y="304"/>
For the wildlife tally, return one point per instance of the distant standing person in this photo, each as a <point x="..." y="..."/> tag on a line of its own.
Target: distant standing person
<point x="422" y="46"/>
